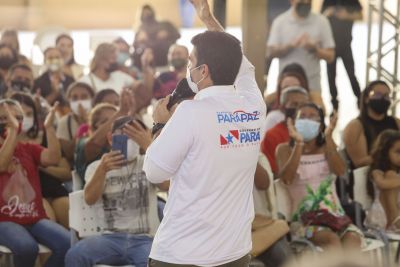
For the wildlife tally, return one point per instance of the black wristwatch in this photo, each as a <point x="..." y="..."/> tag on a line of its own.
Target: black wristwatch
<point x="157" y="127"/>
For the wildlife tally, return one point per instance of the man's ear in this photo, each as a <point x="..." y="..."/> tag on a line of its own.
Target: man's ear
<point x="206" y="71"/>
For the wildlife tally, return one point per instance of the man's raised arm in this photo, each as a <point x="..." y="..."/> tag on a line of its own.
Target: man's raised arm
<point x="205" y="15"/>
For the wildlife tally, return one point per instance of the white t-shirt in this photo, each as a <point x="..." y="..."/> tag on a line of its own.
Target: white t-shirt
<point x="117" y="81"/>
<point x="129" y="201"/>
<point x="209" y="148"/>
<point x="67" y="127"/>
<point x="286" y="28"/>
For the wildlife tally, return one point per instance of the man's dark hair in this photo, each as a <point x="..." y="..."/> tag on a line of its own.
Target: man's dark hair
<point x="221" y="52"/>
<point x="19" y="66"/>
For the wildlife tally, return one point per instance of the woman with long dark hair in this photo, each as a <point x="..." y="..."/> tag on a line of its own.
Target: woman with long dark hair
<point x="65" y="44"/>
<point x="361" y="132"/>
<point x="384" y="182"/>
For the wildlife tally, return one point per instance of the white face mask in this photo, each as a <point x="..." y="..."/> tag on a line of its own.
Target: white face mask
<point x="86" y="105"/>
<point x="132" y="150"/>
<point x="194" y="86"/>
<point x="27" y="124"/>
<point x="55" y="65"/>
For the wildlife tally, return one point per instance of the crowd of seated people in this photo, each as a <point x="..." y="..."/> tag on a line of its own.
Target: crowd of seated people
<point x="63" y="121"/>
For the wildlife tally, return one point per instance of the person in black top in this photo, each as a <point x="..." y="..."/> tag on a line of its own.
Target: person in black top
<point x="53" y="83"/>
<point x="157" y="35"/>
<point x="341" y="15"/>
<point x="360" y="134"/>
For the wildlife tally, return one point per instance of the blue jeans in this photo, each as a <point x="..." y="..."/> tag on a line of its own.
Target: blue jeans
<point x="23" y="241"/>
<point x="111" y="249"/>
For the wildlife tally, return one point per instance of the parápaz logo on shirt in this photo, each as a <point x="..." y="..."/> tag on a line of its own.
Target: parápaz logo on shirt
<point x="240" y="138"/>
<point x="237" y="116"/>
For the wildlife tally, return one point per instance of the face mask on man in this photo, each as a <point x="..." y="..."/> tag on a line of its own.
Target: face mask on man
<point x="178" y="63"/>
<point x="379" y="105"/>
<point x="6" y="62"/>
<point x="21" y="86"/>
<point x="55" y="65"/>
<point x="27" y="124"/>
<point x="122" y="57"/>
<point x="309" y="129"/>
<point x="194" y="86"/>
<point x="86" y="105"/>
<point x="303" y="9"/>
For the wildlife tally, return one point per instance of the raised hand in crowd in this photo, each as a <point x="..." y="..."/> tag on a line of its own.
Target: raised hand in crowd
<point x="293" y="133"/>
<point x="127" y="103"/>
<point x="12" y="122"/>
<point x="137" y="133"/>
<point x="52" y="154"/>
<point x="332" y="125"/>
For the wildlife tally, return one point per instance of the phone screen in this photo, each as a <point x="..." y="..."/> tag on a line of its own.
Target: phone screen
<point x="120" y="142"/>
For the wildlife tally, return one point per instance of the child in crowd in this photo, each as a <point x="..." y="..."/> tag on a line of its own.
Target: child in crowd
<point x="307" y="166"/>
<point x="384" y="182"/>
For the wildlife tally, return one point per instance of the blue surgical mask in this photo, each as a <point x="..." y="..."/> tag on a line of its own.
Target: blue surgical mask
<point x="309" y="129"/>
<point x="122" y="57"/>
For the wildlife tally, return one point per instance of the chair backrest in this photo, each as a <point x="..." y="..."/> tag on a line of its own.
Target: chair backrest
<point x="282" y="199"/>
<point x="86" y="220"/>
<point x="76" y="181"/>
<point x="265" y="199"/>
<point x="360" y="187"/>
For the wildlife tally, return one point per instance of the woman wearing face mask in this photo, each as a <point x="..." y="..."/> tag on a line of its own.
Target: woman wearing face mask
<point x="361" y="132"/>
<point x="124" y="59"/>
<point x="23" y="222"/>
<point x="79" y="96"/>
<point x="30" y="128"/>
<point x="53" y="83"/>
<point x="55" y="196"/>
<point x="104" y="71"/>
<point x="309" y="163"/>
<point x="65" y="44"/>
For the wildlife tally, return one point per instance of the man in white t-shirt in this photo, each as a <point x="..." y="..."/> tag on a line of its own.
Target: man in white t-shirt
<point x="129" y="205"/>
<point x="209" y="151"/>
<point x="103" y="70"/>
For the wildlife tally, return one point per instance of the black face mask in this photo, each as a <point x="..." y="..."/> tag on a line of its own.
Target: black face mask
<point x="6" y="62"/>
<point x="112" y="67"/>
<point x="290" y="112"/>
<point x="303" y="9"/>
<point x="21" y="86"/>
<point x="380" y="105"/>
<point x="178" y="63"/>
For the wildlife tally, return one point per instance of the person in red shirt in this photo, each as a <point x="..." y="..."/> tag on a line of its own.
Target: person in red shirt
<point x="290" y="99"/>
<point x="23" y="221"/>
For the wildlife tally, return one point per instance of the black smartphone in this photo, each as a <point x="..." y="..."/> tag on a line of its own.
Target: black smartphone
<point x="120" y="142"/>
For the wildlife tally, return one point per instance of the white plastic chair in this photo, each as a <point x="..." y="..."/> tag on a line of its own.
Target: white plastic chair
<point x="362" y="197"/>
<point x="84" y="219"/>
<point x="76" y="181"/>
